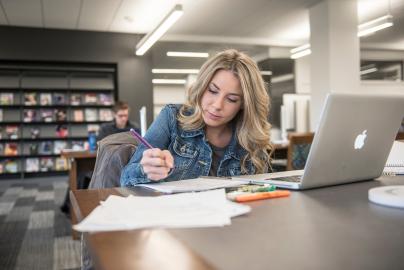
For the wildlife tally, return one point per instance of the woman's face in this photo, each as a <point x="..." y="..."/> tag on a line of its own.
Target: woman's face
<point x="222" y="99"/>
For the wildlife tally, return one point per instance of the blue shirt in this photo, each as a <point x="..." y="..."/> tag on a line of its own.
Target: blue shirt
<point x="191" y="152"/>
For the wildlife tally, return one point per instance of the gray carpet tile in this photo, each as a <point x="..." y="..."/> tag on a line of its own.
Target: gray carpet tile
<point x="41" y="220"/>
<point x="34" y="234"/>
<point x="45" y="205"/>
<point x="35" y="245"/>
<point x="21" y="213"/>
<point x="24" y="201"/>
<point x="66" y="253"/>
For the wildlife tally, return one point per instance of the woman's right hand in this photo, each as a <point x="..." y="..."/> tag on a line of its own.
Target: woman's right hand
<point x="157" y="163"/>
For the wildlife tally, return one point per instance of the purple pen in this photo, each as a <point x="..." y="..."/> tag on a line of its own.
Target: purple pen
<point x="140" y="139"/>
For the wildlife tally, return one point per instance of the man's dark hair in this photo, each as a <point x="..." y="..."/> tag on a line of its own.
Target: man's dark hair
<point x="120" y="105"/>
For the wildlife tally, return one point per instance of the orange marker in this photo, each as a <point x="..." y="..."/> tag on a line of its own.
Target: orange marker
<point x="262" y="195"/>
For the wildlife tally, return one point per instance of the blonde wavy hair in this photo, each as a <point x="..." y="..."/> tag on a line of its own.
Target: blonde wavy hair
<point x="252" y="126"/>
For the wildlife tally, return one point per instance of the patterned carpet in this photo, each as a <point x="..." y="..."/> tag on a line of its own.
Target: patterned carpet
<point x="34" y="234"/>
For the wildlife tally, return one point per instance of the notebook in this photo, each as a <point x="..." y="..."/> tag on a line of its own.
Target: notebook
<point x="352" y="142"/>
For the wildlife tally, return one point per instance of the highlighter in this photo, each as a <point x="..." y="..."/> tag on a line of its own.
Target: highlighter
<point x="246" y="197"/>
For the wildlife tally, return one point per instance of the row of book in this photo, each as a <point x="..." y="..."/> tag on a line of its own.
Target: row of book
<point x="43" y="164"/>
<point x="60" y="115"/>
<point x="41" y="148"/>
<point x="48" y="99"/>
<point x="61" y="131"/>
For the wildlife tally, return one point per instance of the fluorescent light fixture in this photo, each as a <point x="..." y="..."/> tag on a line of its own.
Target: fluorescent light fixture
<point x="168" y="81"/>
<point x="375" y="25"/>
<point x="266" y="72"/>
<point x="188" y="54"/>
<point x="147" y="41"/>
<point x="174" y="71"/>
<point x="300" y="51"/>
<point x="367" y="71"/>
<point x="300" y="48"/>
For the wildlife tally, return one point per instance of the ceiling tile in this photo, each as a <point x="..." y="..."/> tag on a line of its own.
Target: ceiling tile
<point x="97" y="14"/>
<point x="67" y="19"/>
<point x="141" y="16"/>
<point x="23" y="12"/>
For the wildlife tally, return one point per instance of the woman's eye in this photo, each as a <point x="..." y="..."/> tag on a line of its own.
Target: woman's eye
<point x="212" y="90"/>
<point x="232" y="100"/>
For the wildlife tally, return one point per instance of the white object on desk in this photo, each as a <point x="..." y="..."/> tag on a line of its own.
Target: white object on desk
<point x="143" y="121"/>
<point x="185" y="210"/>
<point x="197" y="184"/>
<point x="389" y="196"/>
<point x="395" y="161"/>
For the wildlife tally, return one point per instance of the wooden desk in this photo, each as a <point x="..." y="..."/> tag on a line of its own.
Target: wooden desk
<point x="326" y="228"/>
<point x="79" y="163"/>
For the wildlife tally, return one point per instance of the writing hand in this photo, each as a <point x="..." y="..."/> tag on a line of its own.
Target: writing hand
<point x="157" y="163"/>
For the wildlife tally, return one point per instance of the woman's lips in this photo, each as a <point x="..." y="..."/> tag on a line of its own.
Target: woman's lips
<point x="213" y="116"/>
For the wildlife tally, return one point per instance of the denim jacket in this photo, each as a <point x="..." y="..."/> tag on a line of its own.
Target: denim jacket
<point x="192" y="153"/>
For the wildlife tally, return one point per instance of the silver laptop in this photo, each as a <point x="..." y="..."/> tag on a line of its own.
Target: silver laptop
<point x="352" y="142"/>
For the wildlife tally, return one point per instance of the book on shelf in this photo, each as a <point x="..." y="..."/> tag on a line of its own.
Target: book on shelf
<point x="46" y="164"/>
<point x="30" y="99"/>
<point x="1" y="132"/>
<point x="6" y="98"/>
<point x="61" y="164"/>
<point x="1" y="115"/>
<point x="78" y="115"/>
<point x="78" y="146"/>
<point x="12" y="132"/>
<point x="90" y="98"/>
<point x="75" y="99"/>
<point x="47" y="115"/>
<point x="45" y="148"/>
<point x="1" y="149"/>
<point x="91" y="115"/>
<point x="1" y="167"/>
<point x="58" y="146"/>
<point x="59" y="98"/>
<point x="105" y="115"/>
<point x="32" y="165"/>
<point x="45" y="99"/>
<point x="35" y="132"/>
<point x="10" y="166"/>
<point x="106" y="99"/>
<point x="61" y="115"/>
<point x="62" y="131"/>
<point x="33" y="149"/>
<point x="30" y="115"/>
<point x="11" y="149"/>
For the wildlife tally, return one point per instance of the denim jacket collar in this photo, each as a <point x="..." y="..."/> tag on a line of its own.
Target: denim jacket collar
<point x="232" y="151"/>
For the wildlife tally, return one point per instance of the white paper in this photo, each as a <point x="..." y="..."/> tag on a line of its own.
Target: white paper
<point x="190" y="185"/>
<point x="185" y="210"/>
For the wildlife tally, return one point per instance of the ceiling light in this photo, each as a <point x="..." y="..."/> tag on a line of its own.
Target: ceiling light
<point x="266" y="72"/>
<point x="188" y="54"/>
<point x="367" y="71"/>
<point x="174" y="71"/>
<point x="168" y="81"/>
<point x="300" y="51"/>
<point x="147" y="41"/>
<point x="375" y="25"/>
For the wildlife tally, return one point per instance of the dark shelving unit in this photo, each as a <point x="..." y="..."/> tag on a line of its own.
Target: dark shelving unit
<point x="50" y="105"/>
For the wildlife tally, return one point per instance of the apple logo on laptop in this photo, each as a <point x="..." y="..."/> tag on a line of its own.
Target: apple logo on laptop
<point x="360" y="140"/>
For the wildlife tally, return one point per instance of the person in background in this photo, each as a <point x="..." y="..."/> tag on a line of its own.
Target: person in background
<point x="120" y="123"/>
<point x="221" y="130"/>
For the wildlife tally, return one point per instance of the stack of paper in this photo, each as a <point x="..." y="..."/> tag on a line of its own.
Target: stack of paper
<point x="186" y="210"/>
<point x="196" y="184"/>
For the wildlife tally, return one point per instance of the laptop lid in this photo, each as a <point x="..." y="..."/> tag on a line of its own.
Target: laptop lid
<point x="353" y="139"/>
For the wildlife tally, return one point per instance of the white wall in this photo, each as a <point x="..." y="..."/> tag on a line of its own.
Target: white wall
<point x="165" y="94"/>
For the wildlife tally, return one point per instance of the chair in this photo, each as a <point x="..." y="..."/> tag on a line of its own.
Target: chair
<point x="114" y="152"/>
<point x="298" y="150"/>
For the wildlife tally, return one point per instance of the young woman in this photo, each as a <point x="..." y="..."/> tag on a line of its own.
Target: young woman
<point x="221" y="130"/>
